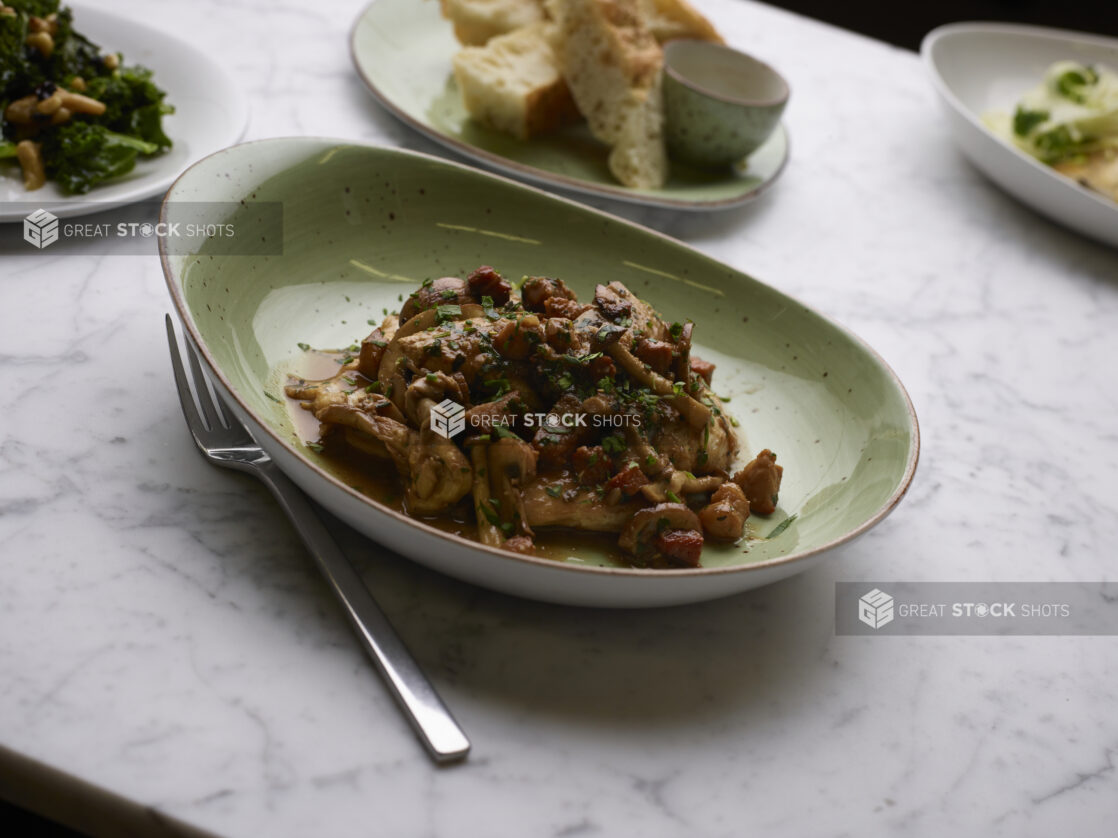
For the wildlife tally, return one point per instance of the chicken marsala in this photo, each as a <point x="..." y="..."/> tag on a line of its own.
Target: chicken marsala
<point x="541" y="412"/>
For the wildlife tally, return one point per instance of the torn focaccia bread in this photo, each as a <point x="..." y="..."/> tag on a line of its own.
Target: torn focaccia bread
<point x="476" y="21"/>
<point x="669" y="19"/>
<point x="513" y="83"/>
<point x="531" y="66"/>
<point x="611" y="62"/>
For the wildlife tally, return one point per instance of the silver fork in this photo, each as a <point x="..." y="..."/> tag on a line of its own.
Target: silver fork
<point x="224" y="441"/>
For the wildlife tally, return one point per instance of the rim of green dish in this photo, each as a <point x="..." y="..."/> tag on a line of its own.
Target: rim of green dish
<point x="616" y="192"/>
<point x="737" y="55"/>
<point x="634" y="572"/>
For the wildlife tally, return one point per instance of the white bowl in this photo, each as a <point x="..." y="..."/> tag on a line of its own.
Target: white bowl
<point x="980" y="67"/>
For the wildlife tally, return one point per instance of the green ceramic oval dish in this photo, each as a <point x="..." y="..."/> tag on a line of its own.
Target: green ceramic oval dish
<point x="363" y="225"/>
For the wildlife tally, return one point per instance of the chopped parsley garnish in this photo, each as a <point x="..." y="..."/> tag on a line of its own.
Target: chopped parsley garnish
<point x="613" y="444"/>
<point x="490" y="515"/>
<point x="448" y="312"/>
<point x="500" y="385"/>
<point x="608" y="333"/>
<point x="303" y="346"/>
<point x="487" y="307"/>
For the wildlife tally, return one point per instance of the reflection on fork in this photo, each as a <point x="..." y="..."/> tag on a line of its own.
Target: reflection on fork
<point x="224" y="441"/>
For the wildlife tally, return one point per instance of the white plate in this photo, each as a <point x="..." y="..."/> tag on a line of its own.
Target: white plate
<point x="211" y="112"/>
<point x="979" y="67"/>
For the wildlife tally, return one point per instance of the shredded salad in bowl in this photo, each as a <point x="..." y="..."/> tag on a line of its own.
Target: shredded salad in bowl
<point x="1070" y="122"/>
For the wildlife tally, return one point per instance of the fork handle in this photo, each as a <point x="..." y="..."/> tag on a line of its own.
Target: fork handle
<point x="430" y="718"/>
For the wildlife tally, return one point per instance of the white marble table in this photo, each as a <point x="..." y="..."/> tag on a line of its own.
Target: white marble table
<point x="166" y="645"/>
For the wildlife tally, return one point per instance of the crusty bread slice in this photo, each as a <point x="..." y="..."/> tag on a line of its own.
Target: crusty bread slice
<point x="1098" y="171"/>
<point x="668" y="19"/>
<point x="476" y="21"/>
<point x="639" y="158"/>
<point x="612" y="63"/>
<point x="513" y="83"/>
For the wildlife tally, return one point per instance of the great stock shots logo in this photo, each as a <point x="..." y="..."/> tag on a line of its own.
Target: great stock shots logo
<point x="448" y="418"/>
<point x="875" y="609"/>
<point x="179" y="228"/>
<point x="40" y="229"/>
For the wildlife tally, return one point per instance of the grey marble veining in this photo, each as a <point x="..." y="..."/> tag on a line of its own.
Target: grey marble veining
<point x="163" y="635"/>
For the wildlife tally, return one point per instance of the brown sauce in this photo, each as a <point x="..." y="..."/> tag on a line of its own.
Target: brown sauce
<point x="378" y="480"/>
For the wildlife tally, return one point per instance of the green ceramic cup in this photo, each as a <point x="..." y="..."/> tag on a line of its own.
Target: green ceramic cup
<point x="720" y="105"/>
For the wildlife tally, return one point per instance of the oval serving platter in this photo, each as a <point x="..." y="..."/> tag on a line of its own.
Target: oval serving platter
<point x="364" y="225"/>
<point x="402" y="50"/>
<point x="981" y="67"/>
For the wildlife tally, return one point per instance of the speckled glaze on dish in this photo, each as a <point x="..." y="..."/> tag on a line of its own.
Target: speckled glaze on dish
<point x="720" y="105"/>
<point x="363" y="225"/>
<point x="402" y="50"/>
